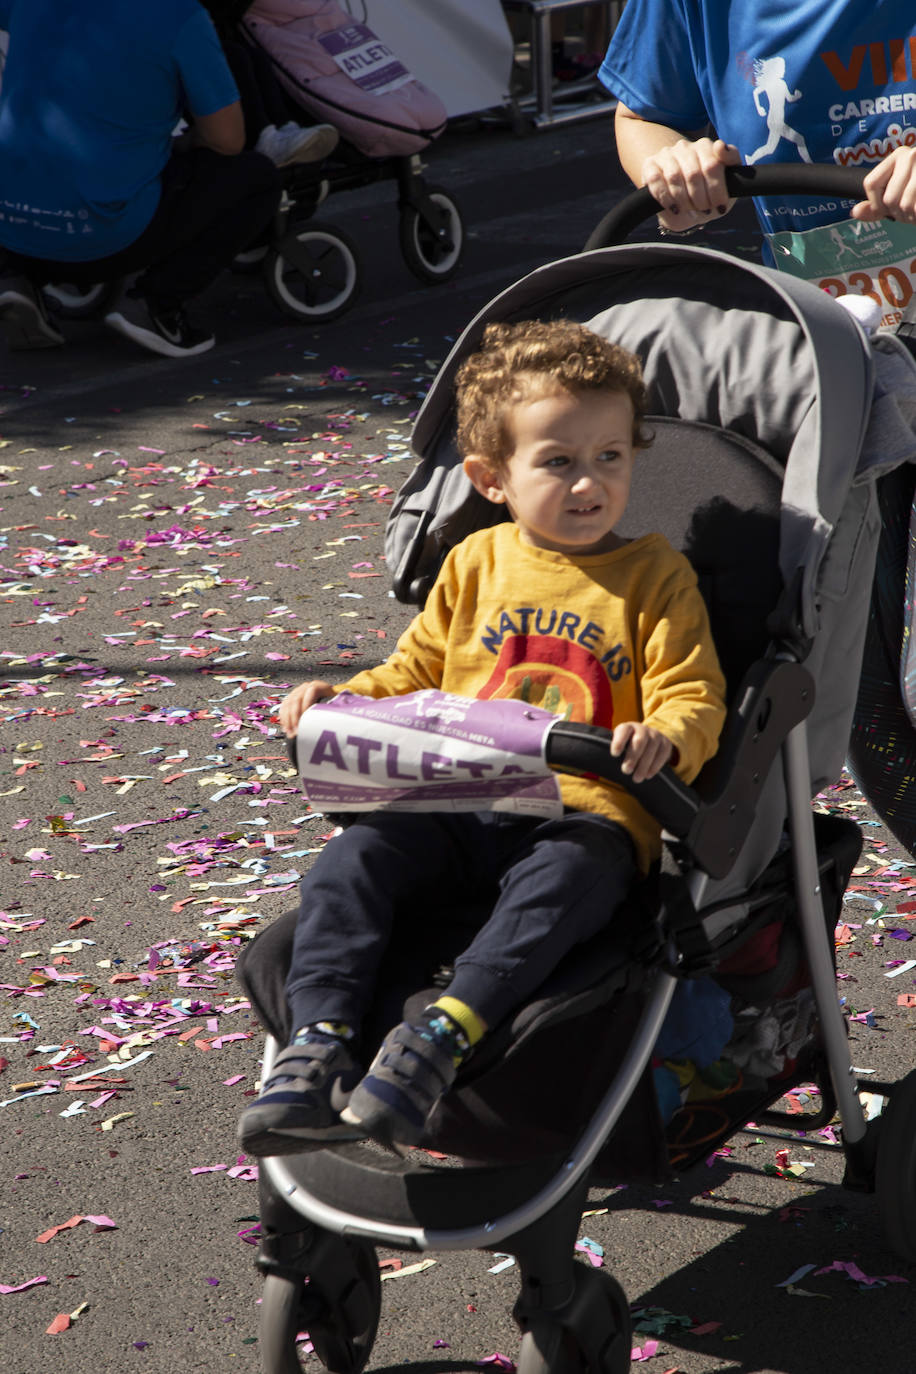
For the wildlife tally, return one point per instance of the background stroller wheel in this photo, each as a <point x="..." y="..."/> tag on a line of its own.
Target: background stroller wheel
<point x="81" y="302"/>
<point x="432" y="251"/>
<point x="895" y="1176"/>
<point x="342" y="1331"/>
<point x="313" y="274"/>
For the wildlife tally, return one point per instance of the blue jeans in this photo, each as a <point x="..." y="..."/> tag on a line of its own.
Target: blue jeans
<point x="559" y="882"/>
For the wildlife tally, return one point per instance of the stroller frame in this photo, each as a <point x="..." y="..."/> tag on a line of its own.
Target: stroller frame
<point x="677" y="806"/>
<point x="559" y="1299"/>
<point x="573" y="1316"/>
<point x="311" y="268"/>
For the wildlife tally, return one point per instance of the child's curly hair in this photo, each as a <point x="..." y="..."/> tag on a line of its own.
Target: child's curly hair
<point x="517" y="362"/>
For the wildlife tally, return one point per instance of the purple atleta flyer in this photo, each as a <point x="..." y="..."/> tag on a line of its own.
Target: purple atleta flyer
<point x="427" y="751"/>
<point x="365" y="58"/>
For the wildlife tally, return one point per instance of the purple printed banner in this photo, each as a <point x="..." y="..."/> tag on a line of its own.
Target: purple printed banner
<point x="427" y="751"/>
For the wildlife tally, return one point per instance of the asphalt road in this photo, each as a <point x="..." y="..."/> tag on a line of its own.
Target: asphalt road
<point x="183" y="541"/>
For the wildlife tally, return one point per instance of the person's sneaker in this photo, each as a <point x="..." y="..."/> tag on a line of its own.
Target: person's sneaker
<point x="301" y="1100"/>
<point x="167" y="332"/>
<point x="411" y="1072"/>
<point x="293" y="143"/>
<point x="25" y="316"/>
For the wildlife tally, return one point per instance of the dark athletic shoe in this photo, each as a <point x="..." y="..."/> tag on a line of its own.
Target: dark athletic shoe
<point x="25" y="316"/>
<point x="300" y="1101"/>
<point x="406" y="1079"/>
<point x="167" y="332"/>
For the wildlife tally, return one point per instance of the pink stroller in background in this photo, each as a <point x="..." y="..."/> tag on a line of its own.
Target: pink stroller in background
<point x="335" y="69"/>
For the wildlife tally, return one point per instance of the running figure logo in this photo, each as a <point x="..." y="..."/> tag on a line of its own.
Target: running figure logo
<point x="769" y="81"/>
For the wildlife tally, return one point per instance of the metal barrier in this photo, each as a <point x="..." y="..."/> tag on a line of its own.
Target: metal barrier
<point x="552" y="103"/>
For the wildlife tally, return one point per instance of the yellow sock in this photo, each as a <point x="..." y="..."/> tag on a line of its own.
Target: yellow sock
<point x="473" y="1027"/>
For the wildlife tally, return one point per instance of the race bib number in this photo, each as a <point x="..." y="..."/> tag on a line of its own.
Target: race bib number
<point x="857" y="258"/>
<point x="365" y="59"/>
<point x="853" y="257"/>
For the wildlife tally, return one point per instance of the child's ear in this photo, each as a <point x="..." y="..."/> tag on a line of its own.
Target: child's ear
<point x="485" y="478"/>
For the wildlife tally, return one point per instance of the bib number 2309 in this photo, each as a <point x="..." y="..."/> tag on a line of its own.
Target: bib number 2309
<point x="855" y="257"/>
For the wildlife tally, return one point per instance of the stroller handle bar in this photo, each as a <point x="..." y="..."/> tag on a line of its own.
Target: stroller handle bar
<point x="772" y="179"/>
<point x="713" y="818"/>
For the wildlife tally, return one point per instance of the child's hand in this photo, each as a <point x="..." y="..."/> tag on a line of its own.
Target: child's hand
<point x="644" y="750"/>
<point x="299" y="700"/>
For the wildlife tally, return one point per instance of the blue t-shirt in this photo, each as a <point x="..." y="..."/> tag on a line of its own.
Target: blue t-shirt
<point x="91" y="92"/>
<point x="784" y="80"/>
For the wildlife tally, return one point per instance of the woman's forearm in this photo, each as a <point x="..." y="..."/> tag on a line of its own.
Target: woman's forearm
<point x="638" y="139"/>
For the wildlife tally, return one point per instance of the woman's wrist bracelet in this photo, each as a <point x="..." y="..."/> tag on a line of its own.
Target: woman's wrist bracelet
<point x="678" y="233"/>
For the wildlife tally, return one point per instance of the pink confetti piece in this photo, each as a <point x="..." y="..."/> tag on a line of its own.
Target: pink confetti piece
<point x="850" y="1268"/>
<point x="18" y="1287"/>
<point x="101" y="1223"/>
<point x="644" y="1352"/>
<point x="247" y="1173"/>
<point x="593" y="1253"/>
<point x="105" y="1097"/>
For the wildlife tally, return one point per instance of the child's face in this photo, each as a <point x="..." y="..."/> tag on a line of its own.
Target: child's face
<point x="567" y="480"/>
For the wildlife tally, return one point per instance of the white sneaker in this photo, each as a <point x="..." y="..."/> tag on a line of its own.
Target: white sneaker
<point x="293" y="143"/>
<point x="25" y="315"/>
<point x="168" y="333"/>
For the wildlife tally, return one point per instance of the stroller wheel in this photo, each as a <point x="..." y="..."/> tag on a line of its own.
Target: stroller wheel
<point x="81" y="302"/>
<point x="313" y="274"/>
<point x="432" y="244"/>
<point x="342" y="1329"/>
<point x="549" y="1348"/>
<point x="594" y="1337"/>
<point x="895" y="1175"/>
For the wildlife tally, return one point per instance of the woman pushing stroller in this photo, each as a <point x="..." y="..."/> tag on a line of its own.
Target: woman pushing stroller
<point x="815" y="82"/>
<point x="555" y="608"/>
<point x="825" y="83"/>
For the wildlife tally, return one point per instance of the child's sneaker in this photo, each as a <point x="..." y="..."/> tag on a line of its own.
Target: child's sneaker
<point x="294" y="143"/>
<point x="299" y="1104"/>
<point x="167" y="332"/>
<point x="25" y="315"/>
<point x="413" y="1069"/>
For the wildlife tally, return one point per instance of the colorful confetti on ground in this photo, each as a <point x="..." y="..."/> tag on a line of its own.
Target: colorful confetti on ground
<point x="160" y="594"/>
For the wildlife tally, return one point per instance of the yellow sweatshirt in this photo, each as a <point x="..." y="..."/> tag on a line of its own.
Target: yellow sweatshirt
<point x="601" y="638"/>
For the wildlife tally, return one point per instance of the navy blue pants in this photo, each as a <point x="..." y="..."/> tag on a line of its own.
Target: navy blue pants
<point x="559" y="882"/>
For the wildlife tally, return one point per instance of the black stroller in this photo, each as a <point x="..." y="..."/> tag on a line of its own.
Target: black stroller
<point x="766" y="400"/>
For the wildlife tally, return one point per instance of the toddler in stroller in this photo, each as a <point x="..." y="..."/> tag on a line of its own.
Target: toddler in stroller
<point x="613" y="632"/>
<point x="772" y="417"/>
